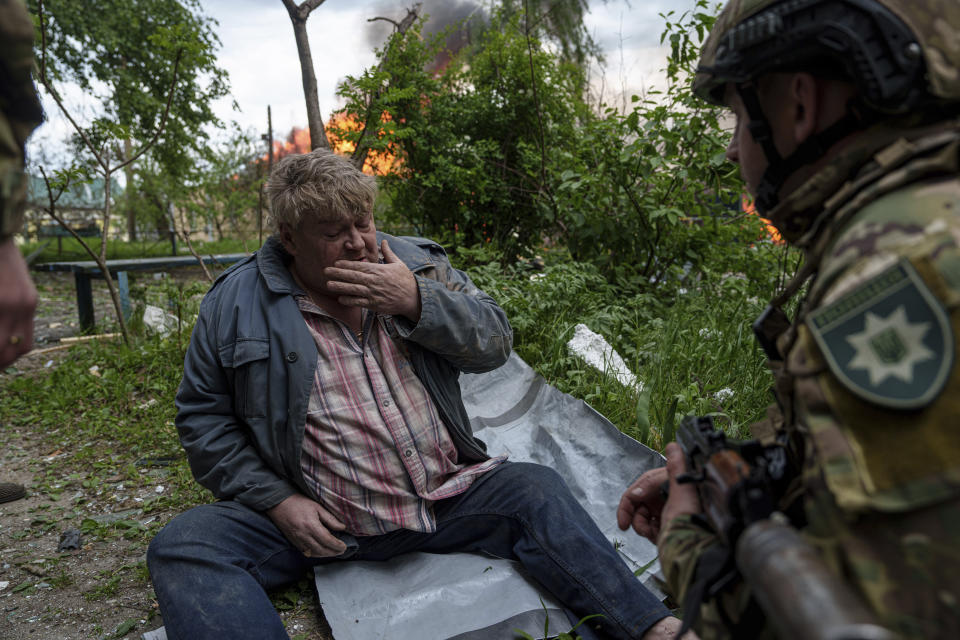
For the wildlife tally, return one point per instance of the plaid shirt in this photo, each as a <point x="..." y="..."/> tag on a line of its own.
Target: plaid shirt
<point x="375" y="452"/>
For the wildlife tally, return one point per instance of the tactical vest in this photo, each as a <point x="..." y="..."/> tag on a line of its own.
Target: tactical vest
<point x="835" y="374"/>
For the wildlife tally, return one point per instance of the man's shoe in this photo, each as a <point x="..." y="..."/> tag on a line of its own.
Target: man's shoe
<point x="10" y="492"/>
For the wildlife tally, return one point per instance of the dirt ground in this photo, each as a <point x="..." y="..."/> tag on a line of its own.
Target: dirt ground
<point x="99" y="590"/>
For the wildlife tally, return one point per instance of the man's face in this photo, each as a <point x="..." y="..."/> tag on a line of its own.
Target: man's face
<point x="316" y="245"/>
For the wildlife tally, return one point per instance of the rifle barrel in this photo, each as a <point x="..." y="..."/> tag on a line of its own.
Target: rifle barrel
<point x="796" y="590"/>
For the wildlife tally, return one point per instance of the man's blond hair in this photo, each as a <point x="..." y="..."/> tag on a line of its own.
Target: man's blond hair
<point x="320" y="184"/>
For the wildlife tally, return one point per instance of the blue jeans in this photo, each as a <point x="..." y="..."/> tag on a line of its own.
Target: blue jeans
<point x="211" y="566"/>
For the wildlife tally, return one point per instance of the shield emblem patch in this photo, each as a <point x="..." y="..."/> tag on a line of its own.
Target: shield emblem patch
<point x="889" y="341"/>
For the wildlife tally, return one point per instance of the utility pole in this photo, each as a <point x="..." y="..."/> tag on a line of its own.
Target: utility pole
<point x="268" y="136"/>
<point x="269" y="141"/>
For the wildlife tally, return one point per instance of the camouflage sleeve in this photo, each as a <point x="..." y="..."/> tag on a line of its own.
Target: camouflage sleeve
<point x="20" y="111"/>
<point x="682" y="545"/>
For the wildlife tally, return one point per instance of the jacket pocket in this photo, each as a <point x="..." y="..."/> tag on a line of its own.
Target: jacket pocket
<point x="249" y="359"/>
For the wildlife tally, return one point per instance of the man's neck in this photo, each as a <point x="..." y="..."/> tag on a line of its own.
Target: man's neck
<point x="350" y="316"/>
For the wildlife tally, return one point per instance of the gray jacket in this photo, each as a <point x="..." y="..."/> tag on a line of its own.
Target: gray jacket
<point x="247" y="377"/>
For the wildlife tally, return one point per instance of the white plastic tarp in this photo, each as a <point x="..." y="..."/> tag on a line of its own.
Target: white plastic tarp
<point x="473" y="597"/>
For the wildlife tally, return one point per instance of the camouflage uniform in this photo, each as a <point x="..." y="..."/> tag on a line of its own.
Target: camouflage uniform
<point x="20" y="111"/>
<point x="867" y="384"/>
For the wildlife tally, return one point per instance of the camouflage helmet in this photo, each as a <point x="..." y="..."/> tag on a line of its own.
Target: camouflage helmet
<point x="899" y="53"/>
<point x="20" y="110"/>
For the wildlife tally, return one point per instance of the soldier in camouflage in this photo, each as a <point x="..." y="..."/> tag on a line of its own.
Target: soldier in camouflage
<point x="19" y="115"/>
<point x="848" y="134"/>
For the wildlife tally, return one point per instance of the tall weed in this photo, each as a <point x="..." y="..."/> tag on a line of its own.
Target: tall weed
<point x="689" y="342"/>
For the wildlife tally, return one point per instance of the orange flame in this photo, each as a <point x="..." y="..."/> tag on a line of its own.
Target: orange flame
<point x="749" y="207"/>
<point x="377" y="162"/>
<point x="298" y="141"/>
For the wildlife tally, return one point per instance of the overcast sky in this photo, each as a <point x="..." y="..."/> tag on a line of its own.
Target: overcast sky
<point x="259" y="53"/>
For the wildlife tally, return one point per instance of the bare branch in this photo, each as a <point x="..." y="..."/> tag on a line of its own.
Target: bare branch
<point x="292" y="8"/>
<point x="298" y="19"/>
<point x="53" y="212"/>
<point x="310" y="5"/>
<point x="396" y="25"/>
<point x="301" y="12"/>
<point x="184" y="233"/>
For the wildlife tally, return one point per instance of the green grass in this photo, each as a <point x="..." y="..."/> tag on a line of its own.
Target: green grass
<point x="689" y="342"/>
<point x="105" y="430"/>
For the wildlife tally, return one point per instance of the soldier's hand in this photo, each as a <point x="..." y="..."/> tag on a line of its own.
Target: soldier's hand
<point x="389" y="287"/>
<point x="306" y="524"/>
<point x="18" y="301"/>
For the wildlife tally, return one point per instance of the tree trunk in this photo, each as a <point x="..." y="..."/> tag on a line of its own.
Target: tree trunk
<point x="298" y="16"/>
<point x="102" y="258"/>
<point x="128" y="199"/>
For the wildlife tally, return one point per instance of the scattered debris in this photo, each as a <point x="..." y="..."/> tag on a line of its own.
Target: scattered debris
<point x="159" y="320"/>
<point x="598" y="353"/>
<point x="98" y="336"/>
<point x="69" y="540"/>
<point x="116" y="516"/>
<point x="155" y="461"/>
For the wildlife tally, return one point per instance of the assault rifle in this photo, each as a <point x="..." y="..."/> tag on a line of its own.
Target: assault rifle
<point x="739" y="483"/>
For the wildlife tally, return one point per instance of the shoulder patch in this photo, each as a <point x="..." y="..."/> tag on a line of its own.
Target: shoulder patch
<point x="889" y="341"/>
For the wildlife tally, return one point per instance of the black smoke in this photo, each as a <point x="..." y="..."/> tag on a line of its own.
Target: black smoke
<point x="464" y="16"/>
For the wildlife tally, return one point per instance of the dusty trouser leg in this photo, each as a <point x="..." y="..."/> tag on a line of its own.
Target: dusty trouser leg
<point x="525" y="512"/>
<point x="210" y="568"/>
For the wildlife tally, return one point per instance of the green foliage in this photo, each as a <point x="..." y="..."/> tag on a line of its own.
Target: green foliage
<point x="564" y="635"/>
<point x="649" y="191"/>
<point x="475" y="140"/>
<point x="71" y="249"/>
<point x="561" y="22"/>
<point x="222" y="192"/>
<point x="109" y="410"/>
<point x="501" y="148"/>
<point x="692" y="349"/>
<point x="122" y="53"/>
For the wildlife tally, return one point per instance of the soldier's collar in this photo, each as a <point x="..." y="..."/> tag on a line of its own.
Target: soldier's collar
<point x="802" y="214"/>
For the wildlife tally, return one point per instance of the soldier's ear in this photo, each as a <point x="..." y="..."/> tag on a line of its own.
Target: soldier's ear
<point x="805" y="94"/>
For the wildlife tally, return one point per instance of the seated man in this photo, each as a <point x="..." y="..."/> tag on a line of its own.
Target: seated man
<point x="320" y="405"/>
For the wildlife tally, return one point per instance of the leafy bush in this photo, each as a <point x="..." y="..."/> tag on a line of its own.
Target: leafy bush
<point x="692" y="348"/>
<point x="476" y="140"/>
